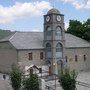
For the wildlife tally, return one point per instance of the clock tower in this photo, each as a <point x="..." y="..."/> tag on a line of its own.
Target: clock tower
<point x="54" y="40"/>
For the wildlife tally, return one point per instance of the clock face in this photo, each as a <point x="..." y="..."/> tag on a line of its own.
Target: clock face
<point x="58" y="18"/>
<point x="47" y="18"/>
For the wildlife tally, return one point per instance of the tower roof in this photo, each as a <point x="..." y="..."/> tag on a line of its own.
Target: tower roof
<point x="53" y="11"/>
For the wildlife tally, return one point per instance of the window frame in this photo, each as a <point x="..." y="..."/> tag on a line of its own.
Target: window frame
<point x="59" y="49"/>
<point x="66" y="58"/>
<point x="30" y="56"/>
<point x="84" y="57"/>
<point x="41" y="55"/>
<point x="76" y="58"/>
<point x="48" y="48"/>
<point x="48" y="31"/>
<point x="58" y="31"/>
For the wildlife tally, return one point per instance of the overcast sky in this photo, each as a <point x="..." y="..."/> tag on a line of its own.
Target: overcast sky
<point x="27" y="15"/>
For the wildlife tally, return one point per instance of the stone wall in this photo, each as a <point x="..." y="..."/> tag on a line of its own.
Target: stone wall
<point x="8" y="56"/>
<point x="23" y="57"/>
<point x="80" y="64"/>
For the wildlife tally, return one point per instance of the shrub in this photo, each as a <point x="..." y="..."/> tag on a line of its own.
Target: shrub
<point x="16" y="78"/>
<point x="67" y="79"/>
<point x="31" y="83"/>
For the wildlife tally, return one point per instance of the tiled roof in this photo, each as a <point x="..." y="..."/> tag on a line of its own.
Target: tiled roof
<point x="73" y="41"/>
<point x="27" y="40"/>
<point x="34" y="40"/>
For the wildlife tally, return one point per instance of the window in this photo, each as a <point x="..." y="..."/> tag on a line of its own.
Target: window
<point x="48" y="31"/>
<point x="84" y="56"/>
<point x="59" y="51"/>
<point x="48" y="53"/>
<point x="66" y="58"/>
<point x="48" y="47"/>
<point x="58" y="31"/>
<point x="41" y="55"/>
<point x="30" y="56"/>
<point x="59" y="47"/>
<point x="76" y="59"/>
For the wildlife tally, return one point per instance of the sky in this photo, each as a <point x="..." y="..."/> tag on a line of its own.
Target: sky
<point x="27" y="15"/>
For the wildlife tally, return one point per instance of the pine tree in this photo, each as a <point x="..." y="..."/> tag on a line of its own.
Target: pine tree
<point x="67" y="80"/>
<point x="31" y="83"/>
<point x="16" y="78"/>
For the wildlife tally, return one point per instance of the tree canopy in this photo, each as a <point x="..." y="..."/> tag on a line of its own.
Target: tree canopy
<point x="79" y="29"/>
<point x="5" y="33"/>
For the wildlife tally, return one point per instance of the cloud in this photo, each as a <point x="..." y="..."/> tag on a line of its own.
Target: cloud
<point x="19" y="10"/>
<point x="35" y="30"/>
<point x="78" y="4"/>
<point x="66" y="25"/>
<point x="88" y="5"/>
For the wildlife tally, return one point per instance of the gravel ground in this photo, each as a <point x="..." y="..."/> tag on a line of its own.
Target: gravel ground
<point x="4" y="84"/>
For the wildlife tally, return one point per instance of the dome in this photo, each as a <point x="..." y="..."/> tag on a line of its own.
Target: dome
<point x="53" y="11"/>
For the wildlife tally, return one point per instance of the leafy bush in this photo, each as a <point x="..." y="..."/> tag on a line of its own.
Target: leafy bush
<point x="67" y="79"/>
<point x="31" y="83"/>
<point x="16" y="78"/>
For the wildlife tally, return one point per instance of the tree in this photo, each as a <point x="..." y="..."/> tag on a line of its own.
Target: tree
<point x="87" y="22"/>
<point x="31" y="83"/>
<point x="67" y="80"/>
<point x="16" y="77"/>
<point x="87" y="30"/>
<point x="5" y="33"/>
<point x="80" y="30"/>
<point x="75" y="28"/>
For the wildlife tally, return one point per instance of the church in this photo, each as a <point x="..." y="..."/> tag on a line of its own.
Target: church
<point x="52" y="47"/>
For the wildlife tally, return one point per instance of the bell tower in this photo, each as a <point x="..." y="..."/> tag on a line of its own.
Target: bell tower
<point x="54" y="40"/>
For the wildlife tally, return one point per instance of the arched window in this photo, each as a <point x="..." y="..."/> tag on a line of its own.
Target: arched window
<point x="48" y="29"/>
<point x="58" y="31"/>
<point x="59" y="47"/>
<point x="59" y="50"/>
<point x="48" y="47"/>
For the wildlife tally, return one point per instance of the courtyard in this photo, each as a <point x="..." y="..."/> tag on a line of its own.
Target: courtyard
<point x="83" y="82"/>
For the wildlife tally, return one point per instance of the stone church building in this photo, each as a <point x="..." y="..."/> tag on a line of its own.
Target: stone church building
<point x="52" y="47"/>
